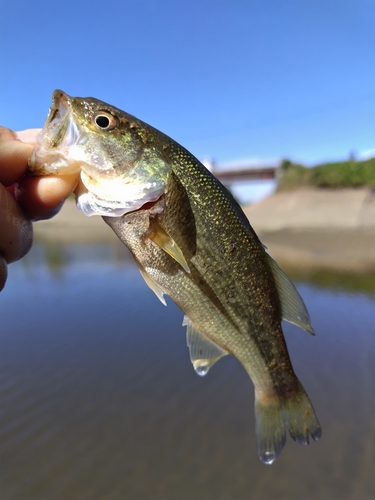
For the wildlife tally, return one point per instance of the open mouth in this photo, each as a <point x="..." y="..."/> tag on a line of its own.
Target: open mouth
<point x="59" y="134"/>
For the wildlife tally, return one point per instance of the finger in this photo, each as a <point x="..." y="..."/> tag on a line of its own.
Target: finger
<point x="13" y="156"/>
<point x="29" y="135"/>
<point x="16" y="230"/>
<point x="43" y="197"/>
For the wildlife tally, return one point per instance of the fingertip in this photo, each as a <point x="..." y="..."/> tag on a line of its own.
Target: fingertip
<point x="47" y="214"/>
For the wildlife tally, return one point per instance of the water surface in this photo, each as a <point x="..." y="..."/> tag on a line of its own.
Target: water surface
<point x="99" y="399"/>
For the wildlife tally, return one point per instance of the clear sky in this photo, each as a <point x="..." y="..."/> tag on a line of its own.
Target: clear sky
<point x="229" y="79"/>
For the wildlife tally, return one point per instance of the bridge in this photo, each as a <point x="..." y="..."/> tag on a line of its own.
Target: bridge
<point x="246" y="174"/>
<point x="241" y="173"/>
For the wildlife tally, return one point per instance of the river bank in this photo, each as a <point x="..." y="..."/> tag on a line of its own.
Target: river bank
<point x="318" y="228"/>
<point x="306" y="228"/>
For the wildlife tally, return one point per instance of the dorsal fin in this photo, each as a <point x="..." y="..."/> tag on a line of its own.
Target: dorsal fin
<point x="157" y="234"/>
<point x="203" y="352"/>
<point x="292" y="306"/>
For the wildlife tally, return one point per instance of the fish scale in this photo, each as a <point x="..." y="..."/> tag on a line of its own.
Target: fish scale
<point x="191" y="241"/>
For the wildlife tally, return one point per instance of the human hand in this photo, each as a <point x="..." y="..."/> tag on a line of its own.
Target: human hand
<point x="24" y="199"/>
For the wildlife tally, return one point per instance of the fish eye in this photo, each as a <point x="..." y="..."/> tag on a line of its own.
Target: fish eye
<point x="104" y="121"/>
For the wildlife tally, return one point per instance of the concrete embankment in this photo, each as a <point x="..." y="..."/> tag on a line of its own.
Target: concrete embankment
<point x="305" y="228"/>
<point x="315" y="209"/>
<point x="318" y="228"/>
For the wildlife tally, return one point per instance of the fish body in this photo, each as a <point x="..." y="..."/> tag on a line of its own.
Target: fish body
<point x="192" y="242"/>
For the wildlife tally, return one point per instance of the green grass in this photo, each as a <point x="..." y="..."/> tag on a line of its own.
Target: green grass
<point x="333" y="175"/>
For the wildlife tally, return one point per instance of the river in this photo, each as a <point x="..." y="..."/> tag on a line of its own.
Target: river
<point x="99" y="400"/>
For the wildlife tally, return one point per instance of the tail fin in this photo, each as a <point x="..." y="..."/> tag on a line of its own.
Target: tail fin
<point x="274" y="415"/>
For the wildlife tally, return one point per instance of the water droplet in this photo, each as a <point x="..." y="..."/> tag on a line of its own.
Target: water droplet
<point x="202" y="369"/>
<point x="268" y="457"/>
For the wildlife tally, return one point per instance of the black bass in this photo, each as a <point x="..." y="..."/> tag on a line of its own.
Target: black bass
<point x="191" y="241"/>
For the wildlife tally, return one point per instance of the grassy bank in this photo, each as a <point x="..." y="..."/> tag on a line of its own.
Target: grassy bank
<point x="346" y="174"/>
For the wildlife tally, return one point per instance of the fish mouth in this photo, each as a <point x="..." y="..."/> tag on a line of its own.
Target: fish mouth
<point x="59" y="134"/>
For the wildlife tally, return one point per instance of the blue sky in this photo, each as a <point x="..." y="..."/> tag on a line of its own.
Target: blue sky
<point x="229" y="79"/>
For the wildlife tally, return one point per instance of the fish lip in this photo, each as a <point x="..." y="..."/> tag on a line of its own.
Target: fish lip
<point x="55" y="127"/>
<point x="59" y="98"/>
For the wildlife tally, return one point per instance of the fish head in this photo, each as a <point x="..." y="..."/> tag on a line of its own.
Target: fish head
<point x="118" y="163"/>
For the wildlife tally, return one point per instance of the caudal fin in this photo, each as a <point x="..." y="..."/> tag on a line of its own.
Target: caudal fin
<point x="274" y="415"/>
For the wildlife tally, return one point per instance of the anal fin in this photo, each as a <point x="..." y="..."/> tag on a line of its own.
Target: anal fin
<point x="203" y="352"/>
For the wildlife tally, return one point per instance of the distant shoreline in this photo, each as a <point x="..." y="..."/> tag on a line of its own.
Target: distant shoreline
<point x="309" y="229"/>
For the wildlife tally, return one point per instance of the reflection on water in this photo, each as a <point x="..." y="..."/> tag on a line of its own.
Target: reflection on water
<point x="99" y="401"/>
<point x="346" y="282"/>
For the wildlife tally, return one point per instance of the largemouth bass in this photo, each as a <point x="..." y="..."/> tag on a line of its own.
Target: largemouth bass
<point x="192" y="242"/>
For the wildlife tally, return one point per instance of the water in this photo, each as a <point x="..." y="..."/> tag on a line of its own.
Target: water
<point x="99" y="399"/>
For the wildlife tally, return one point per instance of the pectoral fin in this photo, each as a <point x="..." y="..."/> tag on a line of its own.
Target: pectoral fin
<point x="166" y="243"/>
<point x="203" y="352"/>
<point x="152" y="284"/>
<point x="293" y="308"/>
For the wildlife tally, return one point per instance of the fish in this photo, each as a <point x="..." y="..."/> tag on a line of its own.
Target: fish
<point x="192" y="242"/>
